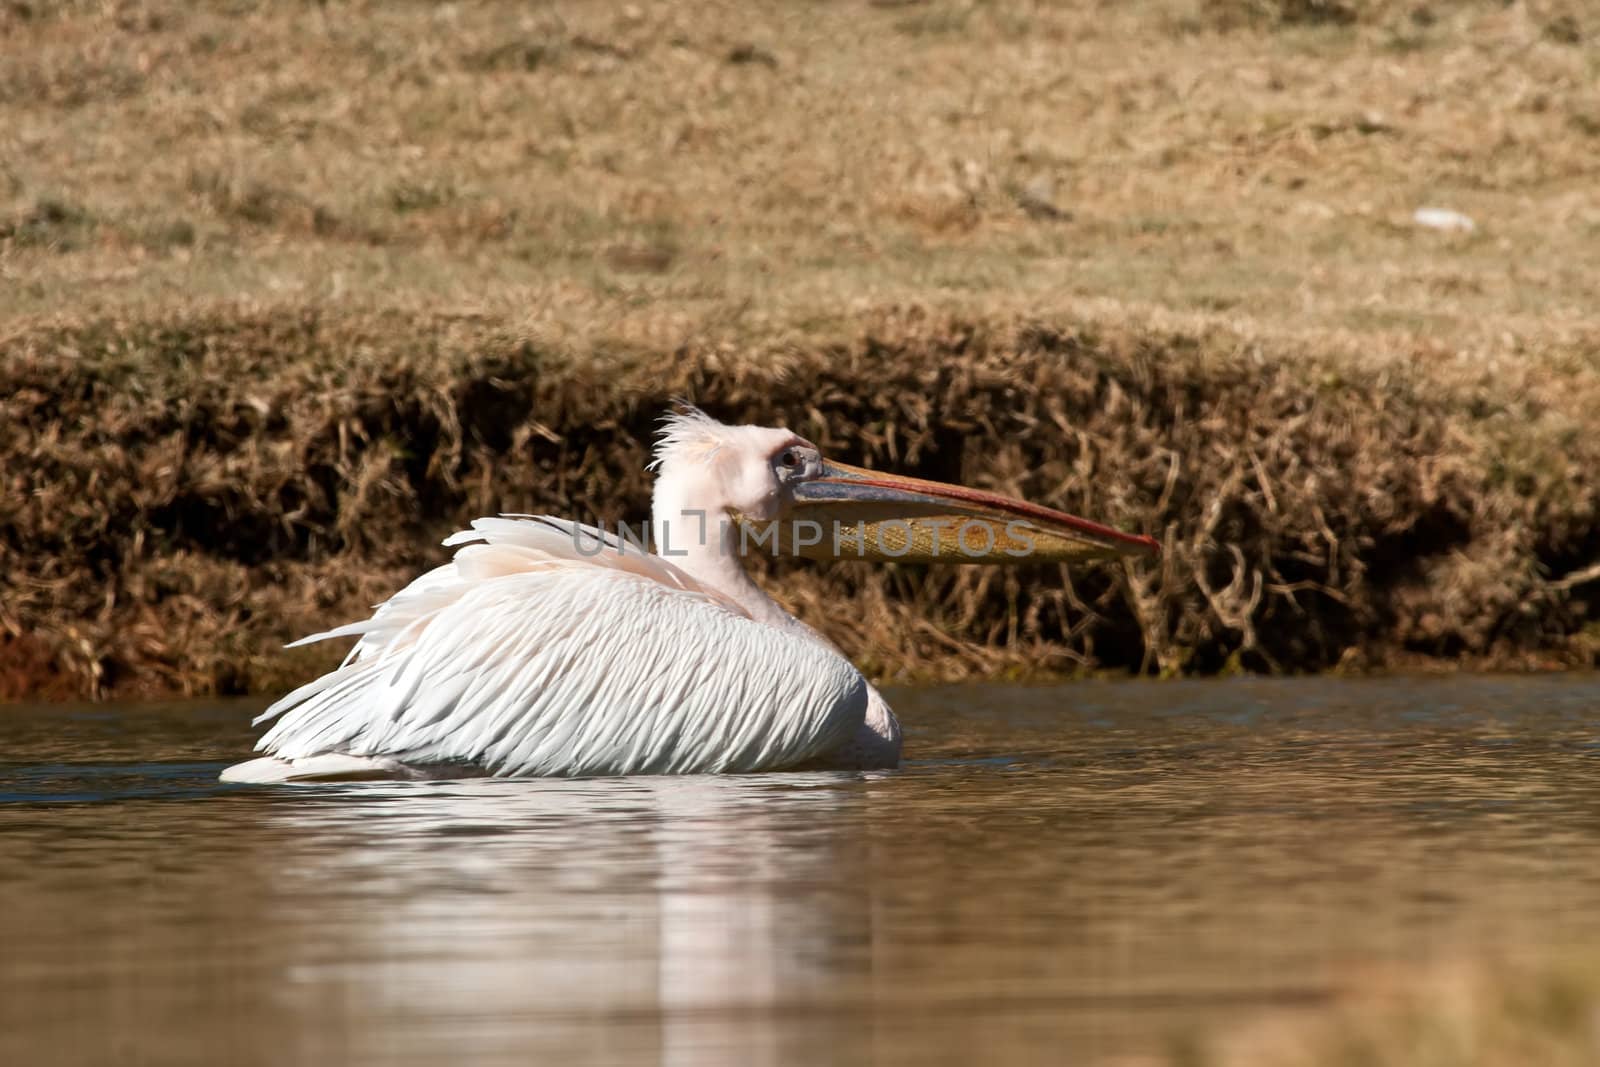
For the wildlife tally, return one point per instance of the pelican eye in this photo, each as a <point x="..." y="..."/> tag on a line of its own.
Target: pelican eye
<point x="790" y="458"/>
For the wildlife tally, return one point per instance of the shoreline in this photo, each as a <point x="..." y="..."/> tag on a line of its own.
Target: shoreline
<point x="289" y="295"/>
<point x="194" y="490"/>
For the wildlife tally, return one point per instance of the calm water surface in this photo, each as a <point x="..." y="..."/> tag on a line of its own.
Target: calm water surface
<point x="1057" y="875"/>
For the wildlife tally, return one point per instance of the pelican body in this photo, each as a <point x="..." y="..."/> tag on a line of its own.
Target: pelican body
<point x="549" y="648"/>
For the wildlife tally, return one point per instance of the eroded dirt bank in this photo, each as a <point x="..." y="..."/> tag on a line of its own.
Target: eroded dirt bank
<point x="183" y="496"/>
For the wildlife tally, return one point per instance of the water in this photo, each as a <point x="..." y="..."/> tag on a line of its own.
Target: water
<point x="1057" y="874"/>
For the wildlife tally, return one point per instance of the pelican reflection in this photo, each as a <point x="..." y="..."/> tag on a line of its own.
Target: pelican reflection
<point x="678" y="913"/>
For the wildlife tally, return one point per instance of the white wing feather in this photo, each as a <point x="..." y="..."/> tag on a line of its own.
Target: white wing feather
<point x="552" y="649"/>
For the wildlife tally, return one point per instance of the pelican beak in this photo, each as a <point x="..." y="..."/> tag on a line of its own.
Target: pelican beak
<point x="852" y="513"/>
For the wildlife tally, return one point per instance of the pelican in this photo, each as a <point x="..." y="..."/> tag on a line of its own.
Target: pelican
<point x="550" y="648"/>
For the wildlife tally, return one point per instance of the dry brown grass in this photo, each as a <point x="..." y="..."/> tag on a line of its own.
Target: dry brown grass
<point x="1244" y="157"/>
<point x="291" y="290"/>
<point x="187" y="494"/>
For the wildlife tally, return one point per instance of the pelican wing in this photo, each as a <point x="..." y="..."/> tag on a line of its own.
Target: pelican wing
<point x="548" y="648"/>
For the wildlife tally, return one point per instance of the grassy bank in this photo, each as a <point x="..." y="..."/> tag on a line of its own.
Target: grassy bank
<point x="184" y="495"/>
<point x="289" y="292"/>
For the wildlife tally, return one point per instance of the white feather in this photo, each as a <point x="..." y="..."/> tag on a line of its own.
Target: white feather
<point x="549" y="648"/>
<point x="687" y="434"/>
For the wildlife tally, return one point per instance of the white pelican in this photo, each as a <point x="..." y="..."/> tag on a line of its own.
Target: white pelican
<point x="549" y="648"/>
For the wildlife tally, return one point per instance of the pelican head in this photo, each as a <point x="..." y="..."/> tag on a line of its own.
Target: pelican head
<point x="770" y="491"/>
